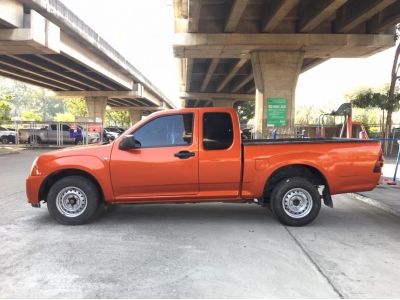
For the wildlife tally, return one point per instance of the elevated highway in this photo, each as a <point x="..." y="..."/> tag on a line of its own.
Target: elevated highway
<point x="246" y="50"/>
<point x="43" y="43"/>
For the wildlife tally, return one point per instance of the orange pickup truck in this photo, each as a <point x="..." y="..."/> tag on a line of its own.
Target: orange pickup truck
<point x="198" y="155"/>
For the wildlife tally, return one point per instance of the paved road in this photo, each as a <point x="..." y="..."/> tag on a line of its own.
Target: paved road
<point x="193" y="251"/>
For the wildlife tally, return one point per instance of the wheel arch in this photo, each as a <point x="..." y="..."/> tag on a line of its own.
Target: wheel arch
<point x="57" y="175"/>
<point x="294" y="170"/>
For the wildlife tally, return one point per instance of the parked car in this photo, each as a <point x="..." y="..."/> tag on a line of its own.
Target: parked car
<point x="48" y="135"/>
<point x="109" y="135"/>
<point x="7" y="136"/>
<point x="197" y="155"/>
<point x="115" y="129"/>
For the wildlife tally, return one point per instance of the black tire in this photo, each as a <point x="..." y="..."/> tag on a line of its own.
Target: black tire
<point x="78" y="189"/>
<point x="4" y="140"/>
<point x="294" y="190"/>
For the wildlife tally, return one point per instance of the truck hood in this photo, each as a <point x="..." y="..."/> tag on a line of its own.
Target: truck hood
<point x="97" y="150"/>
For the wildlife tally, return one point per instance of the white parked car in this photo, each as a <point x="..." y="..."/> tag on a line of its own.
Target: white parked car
<point x="7" y="136"/>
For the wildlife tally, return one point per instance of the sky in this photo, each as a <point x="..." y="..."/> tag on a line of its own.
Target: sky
<point x="142" y="31"/>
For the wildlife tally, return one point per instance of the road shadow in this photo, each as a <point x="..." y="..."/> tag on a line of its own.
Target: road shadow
<point x="187" y="213"/>
<point x="348" y="214"/>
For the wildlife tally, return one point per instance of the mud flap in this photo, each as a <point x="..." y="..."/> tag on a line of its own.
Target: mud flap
<point x="326" y="195"/>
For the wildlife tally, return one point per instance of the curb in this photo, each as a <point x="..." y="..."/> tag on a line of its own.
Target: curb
<point x="377" y="204"/>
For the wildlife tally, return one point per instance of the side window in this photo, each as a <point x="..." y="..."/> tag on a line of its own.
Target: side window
<point x="53" y="127"/>
<point x="65" y="127"/>
<point x="217" y="131"/>
<point x="173" y="130"/>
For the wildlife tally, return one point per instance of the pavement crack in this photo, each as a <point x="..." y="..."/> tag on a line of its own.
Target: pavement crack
<point x="315" y="264"/>
<point x="12" y="194"/>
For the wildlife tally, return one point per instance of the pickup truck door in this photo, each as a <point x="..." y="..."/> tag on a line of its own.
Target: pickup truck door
<point x="219" y="155"/>
<point x="166" y="164"/>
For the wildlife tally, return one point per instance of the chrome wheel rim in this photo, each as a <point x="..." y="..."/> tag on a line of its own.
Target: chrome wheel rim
<point x="71" y="201"/>
<point x="297" y="203"/>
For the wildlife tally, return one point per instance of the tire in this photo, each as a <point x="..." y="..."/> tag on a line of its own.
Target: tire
<point x="84" y="194"/>
<point x="4" y="140"/>
<point x="295" y="201"/>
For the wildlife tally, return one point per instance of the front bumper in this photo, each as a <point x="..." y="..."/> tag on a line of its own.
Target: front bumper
<point x="33" y="184"/>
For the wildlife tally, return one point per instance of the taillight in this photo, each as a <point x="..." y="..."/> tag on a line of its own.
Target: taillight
<point x="379" y="163"/>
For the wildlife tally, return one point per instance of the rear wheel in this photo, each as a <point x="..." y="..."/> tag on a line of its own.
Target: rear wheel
<point x="295" y="201"/>
<point x="73" y="200"/>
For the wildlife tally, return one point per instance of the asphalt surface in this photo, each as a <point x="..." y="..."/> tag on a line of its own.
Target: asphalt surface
<point x="193" y="251"/>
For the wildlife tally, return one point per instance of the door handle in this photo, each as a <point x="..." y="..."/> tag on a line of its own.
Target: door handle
<point x="184" y="154"/>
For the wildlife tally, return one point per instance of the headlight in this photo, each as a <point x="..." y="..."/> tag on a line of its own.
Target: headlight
<point x="34" y="169"/>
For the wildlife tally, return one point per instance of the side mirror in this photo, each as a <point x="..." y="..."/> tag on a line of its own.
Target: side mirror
<point x="129" y="142"/>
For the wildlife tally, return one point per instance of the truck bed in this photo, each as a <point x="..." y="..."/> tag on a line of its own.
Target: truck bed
<point x="305" y="141"/>
<point x="346" y="164"/>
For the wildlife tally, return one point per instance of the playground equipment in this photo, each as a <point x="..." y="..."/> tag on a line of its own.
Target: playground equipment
<point x="344" y="110"/>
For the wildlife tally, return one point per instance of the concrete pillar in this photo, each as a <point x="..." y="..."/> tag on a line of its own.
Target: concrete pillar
<point x="135" y="116"/>
<point x="223" y="103"/>
<point x="96" y="108"/>
<point x="275" y="76"/>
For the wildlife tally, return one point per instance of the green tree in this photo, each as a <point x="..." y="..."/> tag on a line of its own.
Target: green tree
<point x="245" y="110"/>
<point x="64" y="117"/>
<point x="76" y="107"/>
<point x="30" y="116"/>
<point x="5" y="108"/>
<point x="368" y="98"/>
<point x="24" y="97"/>
<point x="117" y="118"/>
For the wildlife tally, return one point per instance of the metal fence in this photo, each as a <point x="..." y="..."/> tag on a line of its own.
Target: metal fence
<point x="52" y="134"/>
<point x="374" y="131"/>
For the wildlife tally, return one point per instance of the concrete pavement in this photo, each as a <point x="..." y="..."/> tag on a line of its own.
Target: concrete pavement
<point x="384" y="196"/>
<point x="4" y="150"/>
<point x="193" y="251"/>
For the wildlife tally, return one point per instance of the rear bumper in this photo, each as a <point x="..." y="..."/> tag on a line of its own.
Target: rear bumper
<point x="33" y="184"/>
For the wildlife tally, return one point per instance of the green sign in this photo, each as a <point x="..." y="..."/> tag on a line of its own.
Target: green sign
<point x="275" y="112"/>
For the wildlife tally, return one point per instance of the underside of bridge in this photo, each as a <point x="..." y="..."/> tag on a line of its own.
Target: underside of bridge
<point x="246" y="50"/>
<point x="45" y="44"/>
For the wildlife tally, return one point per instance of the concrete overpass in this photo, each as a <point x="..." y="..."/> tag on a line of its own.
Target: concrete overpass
<point x="235" y="50"/>
<point x="43" y="43"/>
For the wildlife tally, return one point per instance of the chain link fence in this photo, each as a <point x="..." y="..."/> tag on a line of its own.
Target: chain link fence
<point x="51" y="134"/>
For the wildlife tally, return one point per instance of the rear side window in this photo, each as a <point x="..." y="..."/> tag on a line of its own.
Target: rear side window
<point x="173" y="130"/>
<point x="217" y="131"/>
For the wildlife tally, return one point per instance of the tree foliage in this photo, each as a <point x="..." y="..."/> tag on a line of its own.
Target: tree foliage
<point x="76" y="107"/>
<point x="30" y="116"/>
<point x="369" y="98"/>
<point x="117" y="118"/>
<point x="306" y="115"/>
<point x="5" y="108"/>
<point x="245" y="111"/>
<point x="64" y="117"/>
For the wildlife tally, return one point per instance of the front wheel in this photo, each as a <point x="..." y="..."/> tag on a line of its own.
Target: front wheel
<point x="73" y="200"/>
<point x="295" y="201"/>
